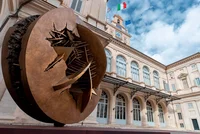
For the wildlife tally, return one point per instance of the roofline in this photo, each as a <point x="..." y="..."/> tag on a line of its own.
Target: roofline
<point x="193" y="56"/>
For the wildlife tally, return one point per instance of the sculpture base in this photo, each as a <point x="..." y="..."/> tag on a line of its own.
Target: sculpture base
<point x="11" y="129"/>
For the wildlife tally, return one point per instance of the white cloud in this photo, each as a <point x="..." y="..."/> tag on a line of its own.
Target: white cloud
<point x="172" y="45"/>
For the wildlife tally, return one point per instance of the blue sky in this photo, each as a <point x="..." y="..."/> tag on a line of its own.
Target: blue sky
<point x="166" y="30"/>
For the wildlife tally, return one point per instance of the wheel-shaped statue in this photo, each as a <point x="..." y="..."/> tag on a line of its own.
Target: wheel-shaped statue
<point x="53" y="66"/>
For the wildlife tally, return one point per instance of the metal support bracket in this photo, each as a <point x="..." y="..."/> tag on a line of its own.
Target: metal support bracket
<point x="167" y="102"/>
<point x="146" y="97"/>
<point x="117" y="86"/>
<point x="133" y="93"/>
<point x="158" y="100"/>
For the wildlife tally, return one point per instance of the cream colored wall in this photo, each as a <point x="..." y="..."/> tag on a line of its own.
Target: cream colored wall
<point x="110" y="28"/>
<point x="192" y="74"/>
<point x="188" y="113"/>
<point x="190" y="95"/>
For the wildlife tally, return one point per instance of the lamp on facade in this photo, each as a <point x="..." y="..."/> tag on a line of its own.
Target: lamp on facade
<point x="114" y="108"/>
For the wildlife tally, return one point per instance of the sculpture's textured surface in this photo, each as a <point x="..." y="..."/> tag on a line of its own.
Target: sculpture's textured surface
<point x="52" y="67"/>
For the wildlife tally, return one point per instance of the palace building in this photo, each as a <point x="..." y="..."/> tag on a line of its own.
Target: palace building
<point x="137" y="91"/>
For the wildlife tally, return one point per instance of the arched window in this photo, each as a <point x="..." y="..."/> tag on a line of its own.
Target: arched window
<point x="149" y="112"/>
<point x="135" y="71"/>
<point x="156" y="79"/>
<point x="102" y="106"/>
<point x="121" y="66"/>
<point x="136" y="110"/>
<point x="146" y="75"/>
<point x="108" y="58"/>
<point x="161" y="114"/>
<point x="120" y="108"/>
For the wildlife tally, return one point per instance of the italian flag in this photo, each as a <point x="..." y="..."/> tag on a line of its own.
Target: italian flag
<point x="121" y="6"/>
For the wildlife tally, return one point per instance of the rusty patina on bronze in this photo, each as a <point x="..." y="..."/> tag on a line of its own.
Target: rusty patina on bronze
<point x="53" y="67"/>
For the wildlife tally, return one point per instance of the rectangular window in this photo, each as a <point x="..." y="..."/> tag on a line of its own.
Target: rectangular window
<point x="185" y="83"/>
<point x="197" y="81"/>
<point x="181" y="125"/>
<point x="173" y="87"/>
<point x="190" y="105"/>
<point x="178" y="106"/>
<point x="166" y="86"/>
<point x="76" y="5"/>
<point x="180" y="116"/>
<point x="193" y="66"/>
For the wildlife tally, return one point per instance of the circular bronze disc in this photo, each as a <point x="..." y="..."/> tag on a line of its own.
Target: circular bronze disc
<point x="37" y="53"/>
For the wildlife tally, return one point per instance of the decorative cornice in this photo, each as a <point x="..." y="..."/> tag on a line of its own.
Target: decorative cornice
<point x="188" y="95"/>
<point x="119" y="29"/>
<point x="194" y="56"/>
<point x="182" y="76"/>
<point x="99" y="31"/>
<point x="89" y="16"/>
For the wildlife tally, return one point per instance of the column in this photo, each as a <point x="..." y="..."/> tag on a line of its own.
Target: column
<point x="166" y="117"/>
<point x="144" y="114"/>
<point x="128" y="68"/>
<point x="141" y="74"/>
<point x="190" y="81"/>
<point x="111" y="115"/>
<point x="178" y="84"/>
<point x="156" y="116"/>
<point x="113" y="66"/>
<point x="151" y="77"/>
<point x="129" y="113"/>
<point x="161" y="83"/>
<point x="198" y="67"/>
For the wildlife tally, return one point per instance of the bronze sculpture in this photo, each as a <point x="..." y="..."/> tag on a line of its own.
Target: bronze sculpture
<point x="52" y="67"/>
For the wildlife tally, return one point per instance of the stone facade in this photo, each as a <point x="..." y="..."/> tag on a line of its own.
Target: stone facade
<point x="119" y="106"/>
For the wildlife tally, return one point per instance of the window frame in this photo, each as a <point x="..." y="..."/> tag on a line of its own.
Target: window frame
<point x="182" y="125"/>
<point x="135" y="74"/>
<point x="146" y="76"/>
<point x="173" y="87"/>
<point x="150" y="116"/>
<point x="180" y="117"/>
<point x="156" y="79"/>
<point x="76" y="5"/>
<point x="197" y="81"/>
<point x="161" y="114"/>
<point x="120" y="107"/>
<point x="194" y="66"/>
<point x="102" y="106"/>
<point x="136" y="110"/>
<point x="190" y="105"/>
<point x="121" y="66"/>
